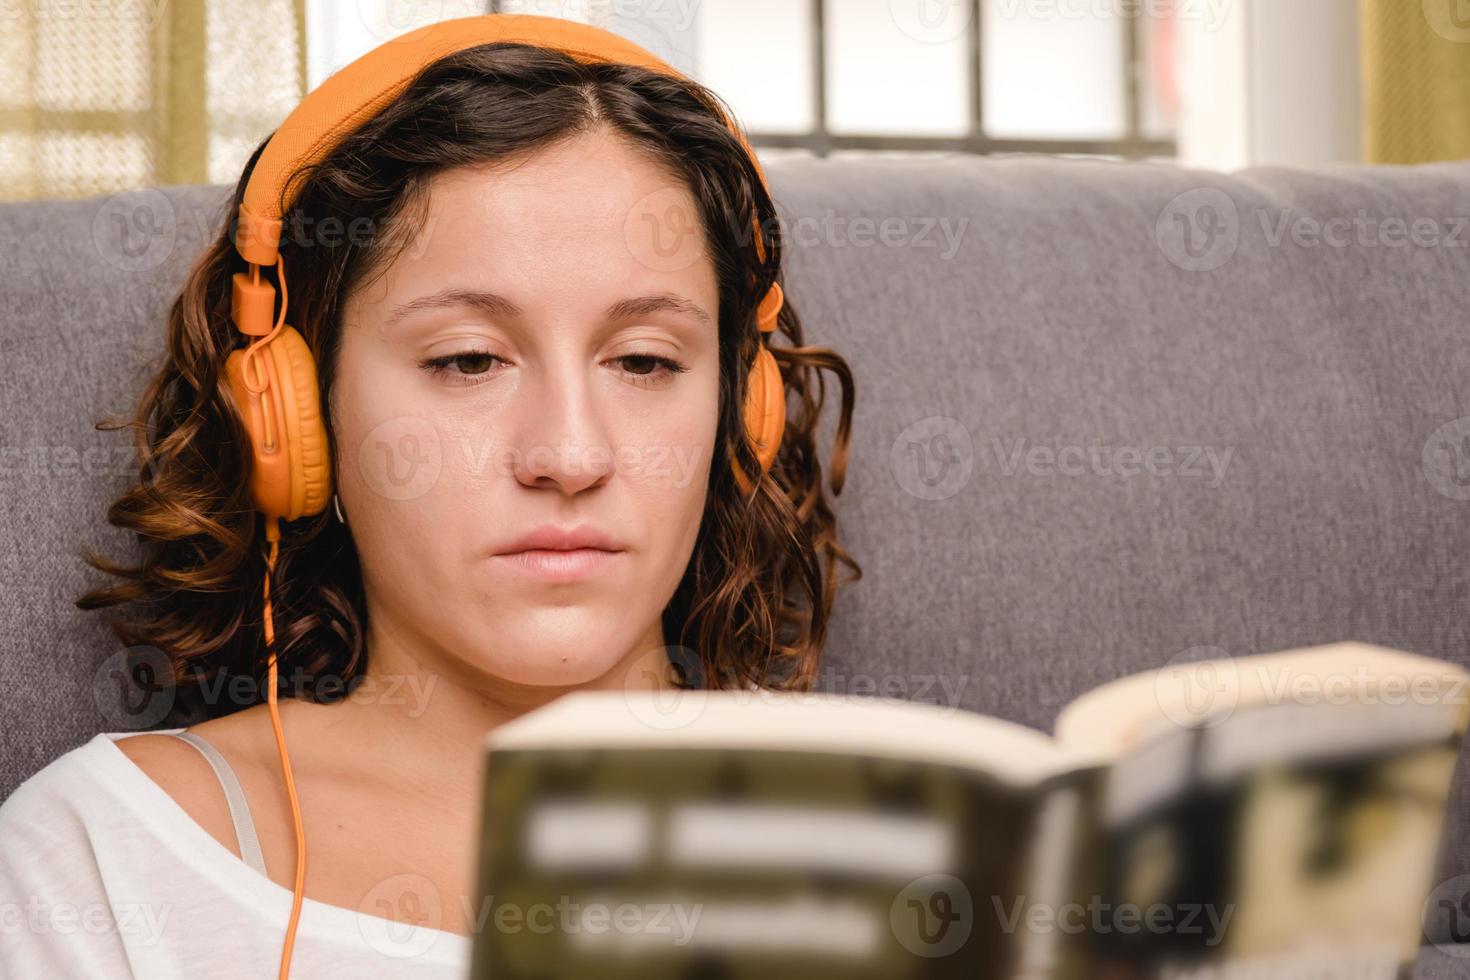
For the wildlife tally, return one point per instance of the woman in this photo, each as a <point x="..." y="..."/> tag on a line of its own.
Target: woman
<point x="525" y="283"/>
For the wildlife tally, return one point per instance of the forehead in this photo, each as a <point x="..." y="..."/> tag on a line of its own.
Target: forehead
<point x="591" y="205"/>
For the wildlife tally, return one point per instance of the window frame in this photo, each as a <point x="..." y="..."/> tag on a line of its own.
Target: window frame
<point x="821" y="142"/>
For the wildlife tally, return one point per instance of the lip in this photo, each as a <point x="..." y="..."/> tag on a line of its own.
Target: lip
<point x="561" y="554"/>
<point x="550" y="537"/>
<point x="560" y="565"/>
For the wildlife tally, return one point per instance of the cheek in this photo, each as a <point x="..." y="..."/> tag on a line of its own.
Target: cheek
<point x="392" y="464"/>
<point x="666" y="457"/>
<point x="388" y="446"/>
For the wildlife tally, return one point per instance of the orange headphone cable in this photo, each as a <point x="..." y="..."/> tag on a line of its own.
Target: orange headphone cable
<point x="273" y="535"/>
<point x="253" y="352"/>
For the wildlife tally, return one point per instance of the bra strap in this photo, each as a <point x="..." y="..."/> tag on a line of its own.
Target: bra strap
<point x="239" y="809"/>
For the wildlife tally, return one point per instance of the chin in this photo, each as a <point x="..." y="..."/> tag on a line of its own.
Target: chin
<point x="541" y="664"/>
<point x="533" y="645"/>
<point x="556" y="673"/>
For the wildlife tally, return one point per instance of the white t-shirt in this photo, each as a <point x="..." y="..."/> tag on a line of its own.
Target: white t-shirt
<point x="103" y="875"/>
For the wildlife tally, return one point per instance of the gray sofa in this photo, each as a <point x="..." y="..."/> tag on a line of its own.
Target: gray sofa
<point x="1264" y="388"/>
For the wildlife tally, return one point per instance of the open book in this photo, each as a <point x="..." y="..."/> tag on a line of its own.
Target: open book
<point x="1266" y="816"/>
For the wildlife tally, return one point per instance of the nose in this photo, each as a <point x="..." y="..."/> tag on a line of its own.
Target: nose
<point x="562" y="440"/>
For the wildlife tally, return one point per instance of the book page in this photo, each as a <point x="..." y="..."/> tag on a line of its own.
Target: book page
<point x="1294" y="826"/>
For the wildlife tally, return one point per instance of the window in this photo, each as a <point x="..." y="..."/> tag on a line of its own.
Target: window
<point x="976" y="76"/>
<point x="1090" y="77"/>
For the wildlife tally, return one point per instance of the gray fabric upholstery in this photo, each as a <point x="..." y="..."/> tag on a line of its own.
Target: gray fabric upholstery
<point x="1442" y="963"/>
<point x="1066" y="315"/>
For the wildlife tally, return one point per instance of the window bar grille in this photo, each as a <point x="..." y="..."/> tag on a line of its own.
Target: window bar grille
<point x="820" y="141"/>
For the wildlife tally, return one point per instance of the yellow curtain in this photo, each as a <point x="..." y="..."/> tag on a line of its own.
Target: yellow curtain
<point x="1416" y="80"/>
<point x="97" y="98"/>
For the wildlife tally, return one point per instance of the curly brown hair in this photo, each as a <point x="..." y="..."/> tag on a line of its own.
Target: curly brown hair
<point x="755" y="599"/>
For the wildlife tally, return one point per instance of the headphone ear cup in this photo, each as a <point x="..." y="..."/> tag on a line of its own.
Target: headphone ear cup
<point x="293" y="478"/>
<point x="765" y="407"/>
<point x="311" y="474"/>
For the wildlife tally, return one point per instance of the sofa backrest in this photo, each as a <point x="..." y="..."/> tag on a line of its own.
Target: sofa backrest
<point x="1108" y="415"/>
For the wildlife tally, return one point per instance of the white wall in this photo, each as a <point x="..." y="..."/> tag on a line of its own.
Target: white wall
<point x="1271" y="82"/>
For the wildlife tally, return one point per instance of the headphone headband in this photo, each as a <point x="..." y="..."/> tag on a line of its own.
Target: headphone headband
<point x="364" y="87"/>
<point x="317" y="126"/>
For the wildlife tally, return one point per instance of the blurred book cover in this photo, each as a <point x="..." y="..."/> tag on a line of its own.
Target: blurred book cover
<point x="1268" y="816"/>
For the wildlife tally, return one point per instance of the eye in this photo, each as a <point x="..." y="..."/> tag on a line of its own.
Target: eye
<point x="473" y="364"/>
<point x="650" y="369"/>
<point x="472" y="367"/>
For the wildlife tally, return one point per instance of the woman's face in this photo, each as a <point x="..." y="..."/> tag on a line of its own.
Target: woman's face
<point x="552" y="287"/>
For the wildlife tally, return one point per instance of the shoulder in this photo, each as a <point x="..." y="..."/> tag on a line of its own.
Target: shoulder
<point x="186" y="776"/>
<point x="244" y="739"/>
<point x="174" y="765"/>
<point x="182" y="772"/>
<point x="112" y="788"/>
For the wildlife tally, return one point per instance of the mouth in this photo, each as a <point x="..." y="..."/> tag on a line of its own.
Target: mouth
<point x="552" y="565"/>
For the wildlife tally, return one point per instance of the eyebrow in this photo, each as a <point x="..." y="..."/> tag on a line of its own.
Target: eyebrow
<point x="493" y="304"/>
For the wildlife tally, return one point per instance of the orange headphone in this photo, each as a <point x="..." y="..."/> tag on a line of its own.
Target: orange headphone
<point x="274" y="381"/>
